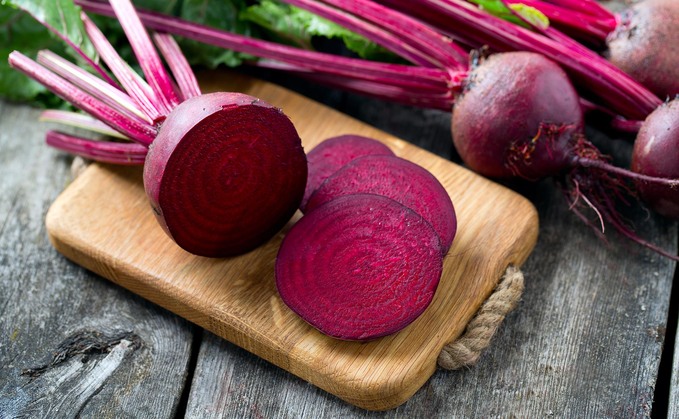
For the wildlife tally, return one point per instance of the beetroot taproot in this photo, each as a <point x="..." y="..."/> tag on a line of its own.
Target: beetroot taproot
<point x="401" y="180"/>
<point x="335" y="152"/>
<point x="359" y="267"/>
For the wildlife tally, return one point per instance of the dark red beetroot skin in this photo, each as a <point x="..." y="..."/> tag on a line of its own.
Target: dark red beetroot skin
<point x="333" y="153"/>
<point x="645" y="45"/>
<point x="398" y="179"/>
<point x="516" y="117"/>
<point x="656" y="153"/>
<point x="359" y="267"/>
<point x="225" y="173"/>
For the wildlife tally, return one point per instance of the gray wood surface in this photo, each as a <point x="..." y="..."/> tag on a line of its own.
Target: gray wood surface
<point x="124" y="357"/>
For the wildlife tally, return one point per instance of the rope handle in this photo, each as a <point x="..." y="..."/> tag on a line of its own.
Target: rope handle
<point x="466" y="350"/>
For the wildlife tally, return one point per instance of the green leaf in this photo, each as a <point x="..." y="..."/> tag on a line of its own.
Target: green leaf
<point x="529" y="17"/>
<point x="221" y="14"/>
<point x="296" y="26"/>
<point x="61" y="15"/>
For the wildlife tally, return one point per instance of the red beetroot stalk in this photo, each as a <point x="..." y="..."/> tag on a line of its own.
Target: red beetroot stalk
<point x="181" y="70"/>
<point x="410" y="78"/>
<point x="142" y="133"/>
<point x="477" y="28"/>
<point x="223" y="171"/>
<point x="373" y="21"/>
<point x="103" y="151"/>
<point x="131" y="82"/>
<point x="641" y="40"/>
<point x="151" y="64"/>
<point x="93" y="85"/>
<point x="579" y="24"/>
<point x="78" y="120"/>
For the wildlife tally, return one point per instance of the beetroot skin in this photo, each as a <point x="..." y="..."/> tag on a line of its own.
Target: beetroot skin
<point x="359" y="267"/>
<point x="225" y="173"/>
<point x="516" y="117"/>
<point x="335" y="152"/>
<point x="645" y="45"/>
<point x="398" y="179"/>
<point x="656" y="153"/>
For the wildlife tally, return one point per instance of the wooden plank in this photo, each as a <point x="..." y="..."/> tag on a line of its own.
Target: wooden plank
<point x="585" y="342"/>
<point x="102" y="221"/>
<point x="47" y="301"/>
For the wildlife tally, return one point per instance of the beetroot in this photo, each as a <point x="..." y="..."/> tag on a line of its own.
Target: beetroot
<point x="645" y="44"/>
<point x="516" y="117"/>
<point x="398" y="179"/>
<point x="656" y="153"/>
<point x="359" y="267"/>
<point x="527" y="124"/>
<point x="333" y="153"/>
<point x="223" y="171"/>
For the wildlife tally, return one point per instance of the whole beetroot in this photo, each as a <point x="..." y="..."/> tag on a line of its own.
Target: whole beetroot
<point x="656" y="153"/>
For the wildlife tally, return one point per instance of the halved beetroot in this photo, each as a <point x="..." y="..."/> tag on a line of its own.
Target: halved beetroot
<point x="398" y="179"/>
<point x="335" y="152"/>
<point x="359" y="267"/>
<point x="225" y="173"/>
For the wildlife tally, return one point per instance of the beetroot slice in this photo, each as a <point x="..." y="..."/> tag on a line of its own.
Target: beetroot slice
<point x="398" y="179"/>
<point x="332" y="154"/>
<point x="359" y="267"/>
<point x="225" y="173"/>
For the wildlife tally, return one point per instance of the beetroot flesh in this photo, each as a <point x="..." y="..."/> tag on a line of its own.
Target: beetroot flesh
<point x="645" y="45"/>
<point x="399" y="179"/>
<point x="516" y="116"/>
<point x="335" y="152"/>
<point x="359" y="267"/>
<point x="656" y="153"/>
<point x="225" y="173"/>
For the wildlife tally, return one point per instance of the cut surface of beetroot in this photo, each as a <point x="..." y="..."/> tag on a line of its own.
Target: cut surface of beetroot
<point x="359" y="267"/>
<point x="224" y="175"/>
<point x="335" y="152"/>
<point x="396" y="178"/>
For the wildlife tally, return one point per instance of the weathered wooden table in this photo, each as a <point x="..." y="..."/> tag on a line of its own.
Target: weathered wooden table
<point x="593" y="336"/>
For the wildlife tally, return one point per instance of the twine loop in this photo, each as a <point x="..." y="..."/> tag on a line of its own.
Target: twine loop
<point x="467" y="349"/>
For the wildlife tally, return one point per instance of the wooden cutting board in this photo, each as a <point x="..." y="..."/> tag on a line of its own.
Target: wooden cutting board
<point x="103" y="222"/>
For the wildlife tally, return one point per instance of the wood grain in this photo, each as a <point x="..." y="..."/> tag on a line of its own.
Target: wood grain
<point x="45" y="300"/>
<point x="102" y="222"/>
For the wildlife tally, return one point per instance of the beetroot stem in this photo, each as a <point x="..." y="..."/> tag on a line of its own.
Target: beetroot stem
<point x="103" y="151"/>
<point x="78" y="120"/>
<point x="142" y="133"/>
<point x="181" y="70"/>
<point x="384" y="26"/>
<point x="477" y="28"/>
<point x="134" y="85"/>
<point x="311" y="60"/>
<point x="591" y="7"/>
<point x="98" y="88"/>
<point x="146" y="54"/>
